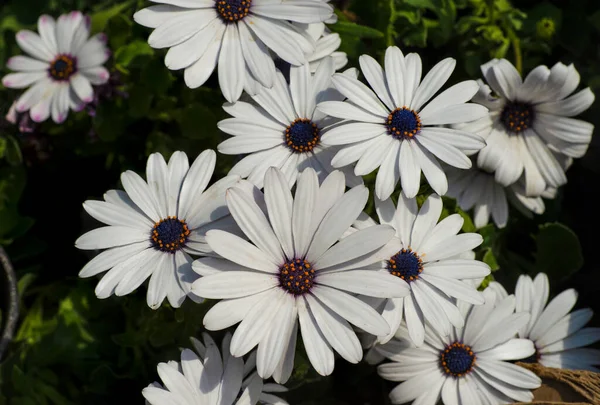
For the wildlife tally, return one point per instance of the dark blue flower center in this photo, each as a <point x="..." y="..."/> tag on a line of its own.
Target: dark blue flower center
<point x="63" y="67"/>
<point x="405" y="264"/>
<point x="170" y="234"/>
<point x="403" y="123"/>
<point x="457" y="359"/>
<point x="302" y="135"/>
<point x="296" y="276"/>
<point x="233" y="10"/>
<point x="517" y="116"/>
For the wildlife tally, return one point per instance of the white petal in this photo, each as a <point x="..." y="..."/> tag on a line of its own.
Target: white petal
<point x="348" y="111"/>
<point x="359" y="243"/>
<point x="303" y="207"/>
<point x="233" y="284"/>
<point x="513" y="349"/>
<point x="454" y="288"/>
<point x="257" y="56"/>
<point x="359" y="94"/>
<point x="110" y="236"/>
<point x="394" y="73"/>
<point x="33" y="44"/>
<point x="560" y="306"/>
<point x="236" y="249"/>
<point x="410" y="171"/>
<point x="140" y="193"/>
<point x="366" y="282"/>
<point x="279" y="37"/>
<point x="227" y="313"/>
<point x="112" y="214"/>
<point x="272" y="347"/>
<point x="198" y="73"/>
<point x="231" y="65"/>
<point x="445" y="152"/>
<point x="500" y="332"/>
<point x="26" y="64"/>
<point x="457" y="268"/>
<point x="337" y="221"/>
<point x="389" y="172"/>
<point x="425" y="221"/>
<point x="352" y="309"/>
<point x="318" y="350"/>
<point x="301" y="11"/>
<point x="336" y="330"/>
<point x="376" y="78"/>
<point x="111" y="257"/>
<point x="257" y="322"/>
<point x="432" y="82"/>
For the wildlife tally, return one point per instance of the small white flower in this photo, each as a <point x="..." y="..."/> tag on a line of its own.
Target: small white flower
<point x="390" y="127"/>
<point x="528" y="120"/>
<point x="154" y="226"/>
<point x="557" y="333"/>
<point x="283" y="128"/>
<point x="479" y="190"/>
<point x="208" y="378"/>
<point x="293" y="268"/>
<point x="236" y="35"/>
<point x="469" y="366"/>
<point x="432" y="260"/>
<point x="327" y="44"/>
<point x="63" y="66"/>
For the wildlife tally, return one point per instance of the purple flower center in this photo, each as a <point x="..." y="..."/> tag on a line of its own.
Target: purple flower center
<point x="302" y="135"/>
<point x="517" y="116"/>
<point x="233" y="10"/>
<point x="63" y="67"/>
<point x="405" y="264"/>
<point x="170" y="234"/>
<point x="296" y="276"/>
<point x="403" y="123"/>
<point x="457" y="359"/>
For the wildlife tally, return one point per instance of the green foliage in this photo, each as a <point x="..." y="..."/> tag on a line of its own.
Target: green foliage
<point x="72" y="348"/>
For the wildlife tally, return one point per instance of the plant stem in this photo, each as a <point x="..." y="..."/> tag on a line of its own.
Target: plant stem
<point x="11" y="314"/>
<point x="390" y="28"/>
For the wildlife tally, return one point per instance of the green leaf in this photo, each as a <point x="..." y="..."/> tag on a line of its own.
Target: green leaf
<point x="361" y="31"/>
<point x="558" y="251"/>
<point x="126" y="54"/>
<point x="101" y="18"/>
<point x="490" y="259"/>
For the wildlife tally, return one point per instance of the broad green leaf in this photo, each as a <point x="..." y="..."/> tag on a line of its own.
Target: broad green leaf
<point x="361" y="31"/>
<point x="558" y="251"/>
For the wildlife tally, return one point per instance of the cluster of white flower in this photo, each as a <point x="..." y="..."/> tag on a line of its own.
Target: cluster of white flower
<point x="301" y="256"/>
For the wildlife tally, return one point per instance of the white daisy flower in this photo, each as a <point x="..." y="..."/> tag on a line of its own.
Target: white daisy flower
<point x="62" y="66"/>
<point x="479" y="190"/>
<point x="154" y="226"/>
<point x="236" y="35"/>
<point x="528" y="120"/>
<point x="283" y="128"/>
<point x="390" y="127"/>
<point x="208" y="378"/>
<point x="327" y="44"/>
<point x="432" y="260"/>
<point x="558" y="334"/>
<point x="469" y="366"/>
<point x="293" y="268"/>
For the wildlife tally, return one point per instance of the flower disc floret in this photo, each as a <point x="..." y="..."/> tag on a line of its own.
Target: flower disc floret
<point x="302" y="135"/>
<point x="296" y="276"/>
<point x="405" y="264"/>
<point x="403" y="123"/>
<point x="63" y="67"/>
<point x="517" y="116"/>
<point x="233" y="10"/>
<point x="457" y="359"/>
<point x="170" y="234"/>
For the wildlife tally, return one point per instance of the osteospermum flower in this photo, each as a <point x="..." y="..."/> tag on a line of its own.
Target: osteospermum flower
<point x="469" y="366"/>
<point x="478" y="189"/>
<point x="432" y="260"/>
<point x="293" y="268"/>
<point x="209" y="378"/>
<point x="236" y="35"/>
<point x="390" y="126"/>
<point x="528" y="120"/>
<point x="282" y="128"/>
<point x="62" y="66"/>
<point x="558" y="334"/>
<point x="154" y="226"/>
